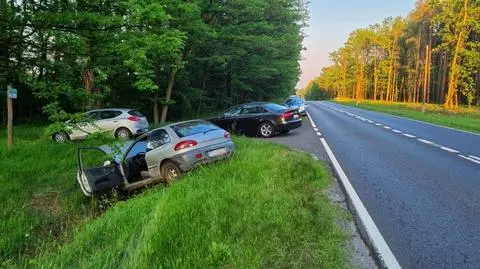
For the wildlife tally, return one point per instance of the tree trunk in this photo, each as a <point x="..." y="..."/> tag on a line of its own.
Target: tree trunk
<point x="375" y="79"/>
<point x="200" y="101"/>
<point x="88" y="78"/>
<point x="451" y="100"/>
<point x="168" y="95"/>
<point x="155" y="109"/>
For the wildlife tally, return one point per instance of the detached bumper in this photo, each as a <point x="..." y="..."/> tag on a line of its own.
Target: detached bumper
<point x="205" y="155"/>
<point x="287" y="126"/>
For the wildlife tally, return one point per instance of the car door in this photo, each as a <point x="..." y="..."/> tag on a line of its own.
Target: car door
<point x="229" y="119"/>
<point x="96" y="174"/>
<point x="249" y="119"/>
<point x="159" y="146"/>
<point x="107" y="120"/>
<point x="82" y="129"/>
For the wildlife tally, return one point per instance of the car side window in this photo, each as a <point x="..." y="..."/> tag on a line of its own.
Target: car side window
<point x="252" y="110"/>
<point x="233" y="112"/>
<point x="109" y="114"/>
<point x="92" y="115"/>
<point x="158" y="138"/>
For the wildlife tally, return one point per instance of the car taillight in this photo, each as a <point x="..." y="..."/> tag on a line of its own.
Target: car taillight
<point x="133" y="118"/>
<point x="226" y="135"/>
<point x="185" y="144"/>
<point x="287" y="115"/>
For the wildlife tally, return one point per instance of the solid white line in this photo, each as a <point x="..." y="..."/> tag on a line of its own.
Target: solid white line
<point x="396" y="131"/>
<point x="319" y="134"/>
<point x="387" y="127"/>
<point x="474" y="157"/>
<point x="379" y="244"/>
<point x="449" y="149"/>
<point x="425" y="141"/>
<point x="311" y="121"/>
<point x="409" y="135"/>
<point x="467" y="158"/>
<point x="378" y="124"/>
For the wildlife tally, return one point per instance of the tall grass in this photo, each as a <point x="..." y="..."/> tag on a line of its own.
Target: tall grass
<point x="264" y="208"/>
<point x="463" y="118"/>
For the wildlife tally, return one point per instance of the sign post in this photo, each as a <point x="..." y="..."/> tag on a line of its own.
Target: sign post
<point x="11" y="94"/>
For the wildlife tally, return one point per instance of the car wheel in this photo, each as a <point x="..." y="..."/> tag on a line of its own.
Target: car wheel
<point x="170" y="172"/>
<point x="123" y="134"/>
<point x="60" y="137"/>
<point x="266" y="129"/>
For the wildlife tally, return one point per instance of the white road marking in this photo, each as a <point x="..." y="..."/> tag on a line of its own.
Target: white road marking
<point x="380" y="246"/>
<point x="467" y="158"/>
<point x="369" y="121"/>
<point x="378" y="124"/>
<point x="396" y="131"/>
<point x="316" y="129"/>
<point x="425" y="141"/>
<point x="409" y="135"/>
<point x="474" y="157"/>
<point x="387" y="127"/>
<point x="311" y="121"/>
<point x="319" y="134"/>
<point x="449" y="149"/>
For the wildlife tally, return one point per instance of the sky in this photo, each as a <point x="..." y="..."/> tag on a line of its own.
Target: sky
<point x="331" y="21"/>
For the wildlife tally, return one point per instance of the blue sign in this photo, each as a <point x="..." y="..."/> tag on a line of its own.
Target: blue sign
<point x="12" y="93"/>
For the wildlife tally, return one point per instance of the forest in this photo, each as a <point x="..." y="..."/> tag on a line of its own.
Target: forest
<point x="170" y="59"/>
<point x="431" y="55"/>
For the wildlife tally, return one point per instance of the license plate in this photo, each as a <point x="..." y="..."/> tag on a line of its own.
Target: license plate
<point x="217" y="152"/>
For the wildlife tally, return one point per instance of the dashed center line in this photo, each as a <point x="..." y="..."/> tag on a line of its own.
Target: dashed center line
<point x="471" y="158"/>
<point x="316" y="129"/>
<point x="449" y="149"/>
<point x="474" y="157"/>
<point x="425" y="141"/>
<point x="468" y="158"/>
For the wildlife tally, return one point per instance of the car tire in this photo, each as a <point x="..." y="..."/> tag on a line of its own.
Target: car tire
<point x="123" y="133"/>
<point x="170" y="172"/>
<point x="60" y="137"/>
<point x="266" y="129"/>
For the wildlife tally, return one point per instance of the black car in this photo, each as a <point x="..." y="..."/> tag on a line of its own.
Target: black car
<point x="262" y="119"/>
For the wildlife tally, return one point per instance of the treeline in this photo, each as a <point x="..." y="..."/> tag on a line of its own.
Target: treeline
<point x="188" y="57"/>
<point x="434" y="53"/>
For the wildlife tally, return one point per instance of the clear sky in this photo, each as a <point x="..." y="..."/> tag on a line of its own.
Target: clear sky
<point x="331" y="21"/>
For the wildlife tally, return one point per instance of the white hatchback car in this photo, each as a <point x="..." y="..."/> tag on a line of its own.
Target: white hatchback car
<point x="123" y="123"/>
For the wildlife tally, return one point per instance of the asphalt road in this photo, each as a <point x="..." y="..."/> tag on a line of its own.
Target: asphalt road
<point x="419" y="182"/>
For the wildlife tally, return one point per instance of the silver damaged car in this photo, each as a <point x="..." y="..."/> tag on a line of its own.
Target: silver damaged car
<point x="163" y="154"/>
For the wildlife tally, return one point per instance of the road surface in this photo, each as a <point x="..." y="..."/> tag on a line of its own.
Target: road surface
<point x="419" y="182"/>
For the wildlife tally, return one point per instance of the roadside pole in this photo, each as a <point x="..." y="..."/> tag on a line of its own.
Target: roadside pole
<point x="11" y="94"/>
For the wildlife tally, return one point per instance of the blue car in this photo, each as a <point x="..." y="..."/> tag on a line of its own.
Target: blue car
<point x="296" y="102"/>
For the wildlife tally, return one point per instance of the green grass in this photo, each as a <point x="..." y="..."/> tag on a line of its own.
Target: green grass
<point x="467" y="119"/>
<point x="264" y="208"/>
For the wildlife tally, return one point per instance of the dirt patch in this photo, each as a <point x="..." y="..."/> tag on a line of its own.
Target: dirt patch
<point x="47" y="204"/>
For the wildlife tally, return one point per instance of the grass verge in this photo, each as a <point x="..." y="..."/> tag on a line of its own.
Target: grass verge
<point x="264" y="208"/>
<point x="467" y="119"/>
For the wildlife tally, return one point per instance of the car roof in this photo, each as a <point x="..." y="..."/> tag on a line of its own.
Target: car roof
<point x="256" y="104"/>
<point x="107" y="109"/>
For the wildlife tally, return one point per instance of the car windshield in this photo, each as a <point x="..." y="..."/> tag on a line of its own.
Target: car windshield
<point x="192" y="128"/>
<point x="294" y="102"/>
<point x="275" y="107"/>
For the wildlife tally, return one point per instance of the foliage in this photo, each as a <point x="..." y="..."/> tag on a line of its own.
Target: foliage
<point x="192" y="56"/>
<point x="387" y="61"/>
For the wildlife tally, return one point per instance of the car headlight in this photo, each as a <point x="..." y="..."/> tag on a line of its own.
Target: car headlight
<point x="302" y="108"/>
